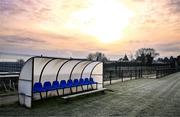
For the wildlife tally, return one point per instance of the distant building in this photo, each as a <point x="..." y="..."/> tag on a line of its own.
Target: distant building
<point x="125" y="58"/>
<point x="11" y="66"/>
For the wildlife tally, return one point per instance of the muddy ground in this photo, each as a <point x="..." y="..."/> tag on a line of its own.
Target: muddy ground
<point x="141" y="97"/>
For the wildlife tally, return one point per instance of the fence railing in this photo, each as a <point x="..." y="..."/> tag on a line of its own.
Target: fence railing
<point x="131" y="70"/>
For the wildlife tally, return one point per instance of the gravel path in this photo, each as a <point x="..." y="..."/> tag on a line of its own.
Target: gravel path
<point x="142" y="97"/>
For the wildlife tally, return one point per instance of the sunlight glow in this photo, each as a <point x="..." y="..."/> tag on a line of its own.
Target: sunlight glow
<point x="103" y="19"/>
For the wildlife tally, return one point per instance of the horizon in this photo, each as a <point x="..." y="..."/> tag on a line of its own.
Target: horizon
<point x="77" y="28"/>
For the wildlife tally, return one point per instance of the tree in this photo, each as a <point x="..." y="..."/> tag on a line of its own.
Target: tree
<point x="160" y="60"/>
<point x="146" y="55"/>
<point x="20" y="61"/>
<point x="98" y="56"/>
<point x="166" y="60"/>
<point x="131" y="57"/>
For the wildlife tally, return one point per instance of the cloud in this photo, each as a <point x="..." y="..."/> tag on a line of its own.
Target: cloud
<point x="174" y="6"/>
<point x="29" y="24"/>
<point x="169" y="47"/>
<point x="17" y="40"/>
<point x="10" y="7"/>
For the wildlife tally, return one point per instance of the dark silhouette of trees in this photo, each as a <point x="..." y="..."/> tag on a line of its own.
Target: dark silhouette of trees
<point x="98" y="56"/>
<point x="20" y="61"/>
<point x="146" y="55"/>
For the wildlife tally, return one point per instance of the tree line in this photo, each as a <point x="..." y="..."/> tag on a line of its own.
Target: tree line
<point x="142" y="55"/>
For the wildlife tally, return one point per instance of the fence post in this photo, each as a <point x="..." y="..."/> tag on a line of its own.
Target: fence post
<point x="110" y="76"/>
<point x="116" y="68"/>
<point x="139" y="73"/>
<point x="156" y="73"/>
<point x="119" y="71"/>
<point x="122" y="75"/>
<point x="131" y="74"/>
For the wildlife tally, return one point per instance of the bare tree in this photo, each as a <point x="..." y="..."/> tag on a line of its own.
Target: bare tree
<point x="20" y="61"/>
<point x="146" y="51"/>
<point x="146" y="55"/>
<point x="98" y="56"/>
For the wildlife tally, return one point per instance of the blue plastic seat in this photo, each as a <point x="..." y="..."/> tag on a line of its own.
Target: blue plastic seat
<point x="81" y="81"/>
<point x="55" y="85"/>
<point x="92" y="81"/>
<point x="47" y="86"/>
<point x="38" y="87"/>
<point x="86" y="81"/>
<point x="76" y="82"/>
<point x="69" y="83"/>
<point x="62" y="84"/>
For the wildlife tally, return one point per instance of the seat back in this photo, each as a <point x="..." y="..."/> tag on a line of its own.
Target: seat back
<point x="70" y="83"/>
<point x="55" y="84"/>
<point x="81" y="81"/>
<point x="91" y="80"/>
<point x="37" y="87"/>
<point x="76" y="82"/>
<point x="63" y="84"/>
<point x="86" y="81"/>
<point x="47" y="85"/>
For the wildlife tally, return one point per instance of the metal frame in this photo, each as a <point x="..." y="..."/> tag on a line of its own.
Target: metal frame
<point x="92" y="72"/>
<point x="85" y="68"/>
<point x="42" y="73"/>
<point x="44" y="68"/>
<point x="74" y="68"/>
<point x="32" y="81"/>
<point x="94" y="68"/>
<point x="60" y="68"/>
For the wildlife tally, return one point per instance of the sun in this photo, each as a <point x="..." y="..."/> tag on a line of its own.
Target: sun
<point x="103" y="19"/>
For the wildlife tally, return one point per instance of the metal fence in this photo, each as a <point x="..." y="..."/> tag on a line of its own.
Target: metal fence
<point x="9" y="74"/>
<point x="11" y="66"/>
<point x="132" y="70"/>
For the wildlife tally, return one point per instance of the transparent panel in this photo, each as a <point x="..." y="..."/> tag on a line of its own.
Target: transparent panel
<point x="97" y="74"/>
<point x="38" y="66"/>
<point x="65" y="71"/>
<point x="26" y="72"/>
<point x="50" y="71"/>
<point x="98" y="69"/>
<point x="88" y="69"/>
<point x="76" y="74"/>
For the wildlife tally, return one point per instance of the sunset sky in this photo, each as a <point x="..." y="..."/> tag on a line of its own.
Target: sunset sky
<point x="74" y="28"/>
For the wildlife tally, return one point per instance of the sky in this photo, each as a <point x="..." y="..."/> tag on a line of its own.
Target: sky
<point x="74" y="28"/>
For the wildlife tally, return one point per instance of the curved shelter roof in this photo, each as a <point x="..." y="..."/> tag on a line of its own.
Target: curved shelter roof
<point x="41" y="69"/>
